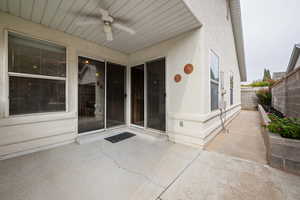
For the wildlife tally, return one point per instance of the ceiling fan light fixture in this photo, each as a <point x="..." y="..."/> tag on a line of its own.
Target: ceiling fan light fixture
<point x="108" y="32"/>
<point x="107" y="28"/>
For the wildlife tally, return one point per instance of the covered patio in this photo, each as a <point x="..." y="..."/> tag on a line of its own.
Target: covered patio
<point x="142" y="167"/>
<point x="73" y="72"/>
<point x="72" y="68"/>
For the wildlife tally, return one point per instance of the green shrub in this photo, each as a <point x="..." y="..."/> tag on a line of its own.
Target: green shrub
<point x="260" y="84"/>
<point x="264" y="97"/>
<point x="267" y="83"/>
<point x="286" y="127"/>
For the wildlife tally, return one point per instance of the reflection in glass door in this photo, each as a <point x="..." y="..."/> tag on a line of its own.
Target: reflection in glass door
<point x="137" y="95"/>
<point x="115" y="114"/>
<point x="156" y="95"/>
<point x="91" y="95"/>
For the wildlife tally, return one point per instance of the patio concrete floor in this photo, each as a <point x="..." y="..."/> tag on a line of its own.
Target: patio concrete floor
<point x="244" y="138"/>
<point x="142" y="167"/>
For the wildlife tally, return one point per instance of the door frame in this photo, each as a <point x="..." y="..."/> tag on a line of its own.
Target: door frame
<point x="144" y="63"/>
<point x="96" y="58"/>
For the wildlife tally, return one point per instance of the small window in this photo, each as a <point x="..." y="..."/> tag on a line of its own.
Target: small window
<point x="214" y="80"/>
<point x="37" y="76"/>
<point x="231" y="89"/>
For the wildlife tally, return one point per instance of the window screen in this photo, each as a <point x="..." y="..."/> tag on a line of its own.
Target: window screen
<point x="231" y="90"/>
<point x="37" y="76"/>
<point x="31" y="95"/>
<point x="31" y="56"/>
<point x="156" y="94"/>
<point x="214" y="80"/>
<point x="214" y="90"/>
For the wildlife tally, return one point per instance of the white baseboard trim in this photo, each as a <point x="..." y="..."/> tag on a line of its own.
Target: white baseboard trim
<point x="216" y="131"/>
<point x="202" y="118"/>
<point x="36" y="149"/>
<point x="216" y="126"/>
<point x="207" y="134"/>
<point x="186" y="140"/>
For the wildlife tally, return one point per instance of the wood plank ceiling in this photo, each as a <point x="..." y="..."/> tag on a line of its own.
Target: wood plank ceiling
<point x="153" y="20"/>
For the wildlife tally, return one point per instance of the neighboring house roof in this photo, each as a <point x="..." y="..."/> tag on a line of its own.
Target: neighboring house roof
<point x="294" y="58"/>
<point x="235" y="8"/>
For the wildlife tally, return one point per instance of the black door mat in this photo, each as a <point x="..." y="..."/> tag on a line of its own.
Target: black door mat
<point x="119" y="137"/>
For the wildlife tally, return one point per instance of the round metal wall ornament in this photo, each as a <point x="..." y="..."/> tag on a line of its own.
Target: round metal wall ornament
<point x="177" y="78"/>
<point x="188" y="68"/>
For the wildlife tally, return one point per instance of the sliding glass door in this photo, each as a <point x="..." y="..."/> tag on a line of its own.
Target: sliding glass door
<point x="148" y="87"/>
<point x="137" y="95"/>
<point x="91" y="95"/>
<point x="116" y="94"/>
<point x="102" y="95"/>
<point x="156" y="95"/>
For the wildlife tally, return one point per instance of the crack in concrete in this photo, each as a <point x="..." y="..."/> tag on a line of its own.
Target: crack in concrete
<point x="129" y="170"/>
<point x="180" y="173"/>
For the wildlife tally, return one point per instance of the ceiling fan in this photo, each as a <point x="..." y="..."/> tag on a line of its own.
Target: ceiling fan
<point x="108" y="22"/>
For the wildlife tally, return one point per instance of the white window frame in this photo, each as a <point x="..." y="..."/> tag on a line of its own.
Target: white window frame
<point x="35" y="76"/>
<point x="213" y="53"/>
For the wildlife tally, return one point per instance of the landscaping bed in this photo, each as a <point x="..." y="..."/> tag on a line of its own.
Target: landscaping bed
<point x="283" y="147"/>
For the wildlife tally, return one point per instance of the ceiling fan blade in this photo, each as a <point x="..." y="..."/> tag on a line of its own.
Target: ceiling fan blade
<point x="85" y="15"/>
<point x="122" y="20"/>
<point x="123" y="28"/>
<point x="108" y="32"/>
<point x="89" y="22"/>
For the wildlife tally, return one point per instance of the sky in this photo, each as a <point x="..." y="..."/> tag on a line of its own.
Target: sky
<point x="271" y="29"/>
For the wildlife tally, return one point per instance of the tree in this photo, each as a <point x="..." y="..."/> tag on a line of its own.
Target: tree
<point x="267" y="75"/>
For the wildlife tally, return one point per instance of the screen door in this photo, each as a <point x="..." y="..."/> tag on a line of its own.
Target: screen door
<point x="156" y="95"/>
<point x="116" y="95"/>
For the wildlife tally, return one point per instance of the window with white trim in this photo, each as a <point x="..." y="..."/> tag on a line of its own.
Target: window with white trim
<point x="214" y="81"/>
<point x="37" y="76"/>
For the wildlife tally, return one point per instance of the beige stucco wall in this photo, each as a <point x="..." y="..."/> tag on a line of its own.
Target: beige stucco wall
<point x="187" y="102"/>
<point x="218" y="36"/>
<point x="178" y="52"/>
